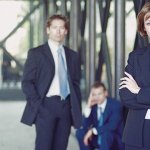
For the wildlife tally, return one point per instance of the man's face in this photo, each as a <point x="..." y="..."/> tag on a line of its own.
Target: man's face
<point x="98" y="95"/>
<point x="57" y="31"/>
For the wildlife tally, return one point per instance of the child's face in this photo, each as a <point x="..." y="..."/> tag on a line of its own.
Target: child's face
<point x="99" y="95"/>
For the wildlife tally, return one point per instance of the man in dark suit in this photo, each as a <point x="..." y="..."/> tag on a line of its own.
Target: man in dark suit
<point x="103" y="123"/>
<point x="51" y="85"/>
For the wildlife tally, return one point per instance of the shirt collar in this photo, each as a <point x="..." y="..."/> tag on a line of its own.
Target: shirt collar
<point x="53" y="46"/>
<point x="103" y="105"/>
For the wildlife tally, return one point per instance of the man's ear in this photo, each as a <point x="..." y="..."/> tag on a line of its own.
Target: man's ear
<point x="106" y="93"/>
<point x="47" y="30"/>
<point x="66" y="32"/>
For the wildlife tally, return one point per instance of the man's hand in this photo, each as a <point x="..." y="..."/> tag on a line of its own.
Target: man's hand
<point x="88" y="137"/>
<point x="91" y="101"/>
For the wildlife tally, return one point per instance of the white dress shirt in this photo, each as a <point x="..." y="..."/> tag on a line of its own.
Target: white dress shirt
<point x="147" y="116"/>
<point x="87" y="112"/>
<point x="54" y="88"/>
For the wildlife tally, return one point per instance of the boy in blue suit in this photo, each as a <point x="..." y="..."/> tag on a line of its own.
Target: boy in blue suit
<point x="103" y="122"/>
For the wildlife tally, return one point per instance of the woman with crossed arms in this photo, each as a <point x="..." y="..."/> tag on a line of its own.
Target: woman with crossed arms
<point x="135" y="90"/>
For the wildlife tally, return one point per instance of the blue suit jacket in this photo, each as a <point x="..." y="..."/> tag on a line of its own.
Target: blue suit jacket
<point x="38" y="74"/>
<point x="113" y="119"/>
<point x="139" y="67"/>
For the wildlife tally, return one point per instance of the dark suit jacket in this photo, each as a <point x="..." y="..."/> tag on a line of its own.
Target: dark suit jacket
<point x="139" y="67"/>
<point x="38" y="74"/>
<point x="112" y="118"/>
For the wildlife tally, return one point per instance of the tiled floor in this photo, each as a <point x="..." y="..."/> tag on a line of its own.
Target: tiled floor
<point x="17" y="136"/>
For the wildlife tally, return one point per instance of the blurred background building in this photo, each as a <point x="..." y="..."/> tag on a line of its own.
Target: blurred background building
<point x="102" y="31"/>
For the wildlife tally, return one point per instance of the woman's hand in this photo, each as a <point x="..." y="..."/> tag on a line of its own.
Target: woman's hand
<point x="129" y="83"/>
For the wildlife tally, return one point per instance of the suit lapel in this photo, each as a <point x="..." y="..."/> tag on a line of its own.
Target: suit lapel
<point x="107" y="111"/>
<point x="68" y="59"/>
<point x="48" y="54"/>
<point x="94" y="116"/>
<point x="143" y="63"/>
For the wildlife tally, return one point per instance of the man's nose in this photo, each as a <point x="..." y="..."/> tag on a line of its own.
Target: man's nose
<point x="58" y="30"/>
<point x="96" y="96"/>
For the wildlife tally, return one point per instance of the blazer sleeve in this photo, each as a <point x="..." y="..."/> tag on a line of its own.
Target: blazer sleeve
<point x="88" y="122"/>
<point x="77" y="77"/>
<point x="129" y="99"/>
<point x="29" y="78"/>
<point x="143" y="97"/>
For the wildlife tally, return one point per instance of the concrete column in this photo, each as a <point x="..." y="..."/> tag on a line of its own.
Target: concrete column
<point x="119" y="43"/>
<point x="74" y="24"/>
<point x="90" y="53"/>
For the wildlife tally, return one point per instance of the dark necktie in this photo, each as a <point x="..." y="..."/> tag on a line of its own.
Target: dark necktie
<point x="62" y="73"/>
<point x="100" y="123"/>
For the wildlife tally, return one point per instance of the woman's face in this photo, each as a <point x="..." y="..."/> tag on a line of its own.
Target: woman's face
<point x="147" y="26"/>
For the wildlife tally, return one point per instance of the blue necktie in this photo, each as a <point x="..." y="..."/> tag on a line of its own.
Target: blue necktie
<point x="62" y="73"/>
<point x="100" y="123"/>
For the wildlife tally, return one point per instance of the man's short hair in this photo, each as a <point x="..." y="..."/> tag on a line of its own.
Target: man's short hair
<point x="99" y="84"/>
<point x="60" y="17"/>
